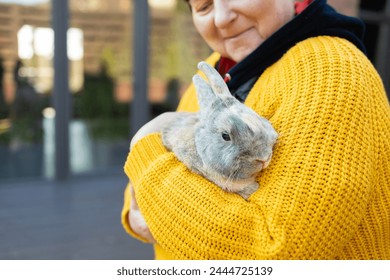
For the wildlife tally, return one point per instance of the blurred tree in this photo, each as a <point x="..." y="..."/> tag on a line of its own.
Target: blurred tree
<point x="26" y="110"/>
<point x="4" y="108"/>
<point x="96" y="103"/>
<point x="108" y="61"/>
<point x="176" y="47"/>
<point x="171" y="100"/>
<point x="184" y="49"/>
<point x="172" y="94"/>
<point x="182" y="6"/>
<point x="96" y="98"/>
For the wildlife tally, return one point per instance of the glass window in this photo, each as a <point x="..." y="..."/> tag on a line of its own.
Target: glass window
<point x="24" y="88"/>
<point x="100" y="53"/>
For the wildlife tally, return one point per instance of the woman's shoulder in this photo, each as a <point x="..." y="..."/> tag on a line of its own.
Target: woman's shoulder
<point x="335" y="51"/>
<point x="324" y="59"/>
<point x="319" y="68"/>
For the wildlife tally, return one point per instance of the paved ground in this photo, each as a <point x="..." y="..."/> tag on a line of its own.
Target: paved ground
<point x="78" y="219"/>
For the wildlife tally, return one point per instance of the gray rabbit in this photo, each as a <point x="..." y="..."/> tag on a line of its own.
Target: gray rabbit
<point x="226" y="142"/>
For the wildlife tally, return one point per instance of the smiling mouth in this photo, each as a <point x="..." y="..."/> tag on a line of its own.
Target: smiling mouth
<point x="237" y="35"/>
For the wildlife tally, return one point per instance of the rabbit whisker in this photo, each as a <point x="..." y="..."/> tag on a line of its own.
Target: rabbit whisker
<point x="233" y="175"/>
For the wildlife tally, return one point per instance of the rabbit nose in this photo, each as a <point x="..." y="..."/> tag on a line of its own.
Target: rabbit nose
<point x="260" y="161"/>
<point x="264" y="163"/>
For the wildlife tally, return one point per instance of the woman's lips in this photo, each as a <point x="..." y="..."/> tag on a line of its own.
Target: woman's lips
<point x="237" y="35"/>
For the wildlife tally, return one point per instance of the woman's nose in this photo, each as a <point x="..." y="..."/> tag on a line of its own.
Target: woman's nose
<point x="223" y="13"/>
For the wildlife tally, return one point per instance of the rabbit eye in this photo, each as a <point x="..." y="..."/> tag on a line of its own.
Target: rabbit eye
<point x="225" y="136"/>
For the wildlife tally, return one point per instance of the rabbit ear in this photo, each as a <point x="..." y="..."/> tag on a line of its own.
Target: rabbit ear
<point x="216" y="82"/>
<point x="204" y="92"/>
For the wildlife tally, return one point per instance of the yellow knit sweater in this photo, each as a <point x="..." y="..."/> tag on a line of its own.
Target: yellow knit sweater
<point x="326" y="193"/>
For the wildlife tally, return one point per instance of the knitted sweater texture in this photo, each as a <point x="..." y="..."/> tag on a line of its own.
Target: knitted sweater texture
<point x="326" y="193"/>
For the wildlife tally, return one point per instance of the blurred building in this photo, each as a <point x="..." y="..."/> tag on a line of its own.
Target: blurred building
<point x="106" y="28"/>
<point x="106" y="37"/>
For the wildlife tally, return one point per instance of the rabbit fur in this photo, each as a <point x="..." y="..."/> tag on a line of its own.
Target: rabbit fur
<point x="226" y="142"/>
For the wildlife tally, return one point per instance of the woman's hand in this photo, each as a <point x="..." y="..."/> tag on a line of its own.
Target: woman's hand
<point x="137" y="221"/>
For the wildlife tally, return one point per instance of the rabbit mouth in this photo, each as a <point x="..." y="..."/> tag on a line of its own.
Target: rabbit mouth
<point x="264" y="163"/>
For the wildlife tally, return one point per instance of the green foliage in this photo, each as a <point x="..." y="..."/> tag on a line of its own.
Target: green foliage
<point x="4" y="108"/>
<point x="182" y="7"/>
<point x="1" y="71"/>
<point x="26" y="112"/>
<point x="114" y="128"/>
<point x="5" y="138"/>
<point x="27" y="104"/>
<point x="26" y="129"/>
<point x="177" y="54"/>
<point x="96" y="100"/>
<point x="107" y="118"/>
<point x="109" y="62"/>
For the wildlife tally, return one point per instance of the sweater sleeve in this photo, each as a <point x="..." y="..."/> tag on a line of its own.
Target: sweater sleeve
<point x="187" y="103"/>
<point x="313" y="195"/>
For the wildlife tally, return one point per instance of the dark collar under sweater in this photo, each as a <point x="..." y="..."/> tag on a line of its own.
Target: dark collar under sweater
<point x="316" y="20"/>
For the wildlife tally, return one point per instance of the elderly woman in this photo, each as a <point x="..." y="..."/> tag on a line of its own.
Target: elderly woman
<point x="326" y="193"/>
